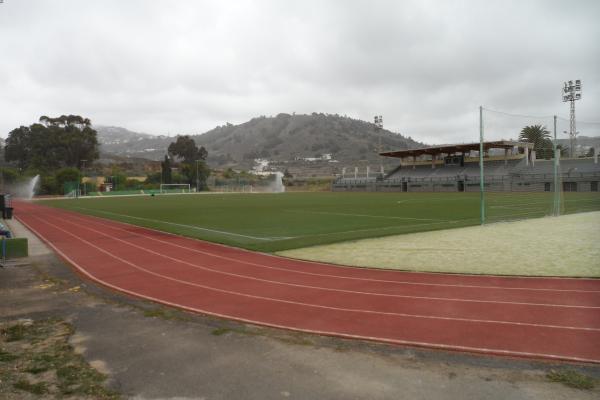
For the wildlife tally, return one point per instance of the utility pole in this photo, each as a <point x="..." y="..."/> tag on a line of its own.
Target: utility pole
<point x="572" y="92"/>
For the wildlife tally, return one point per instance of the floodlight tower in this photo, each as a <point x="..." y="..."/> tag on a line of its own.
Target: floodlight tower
<point x="378" y="127"/>
<point x="378" y="122"/>
<point x="572" y="92"/>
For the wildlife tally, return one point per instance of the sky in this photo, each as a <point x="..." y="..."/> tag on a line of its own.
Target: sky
<point x="184" y="67"/>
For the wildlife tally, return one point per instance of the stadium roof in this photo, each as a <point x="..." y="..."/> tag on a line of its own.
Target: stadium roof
<point x="455" y="148"/>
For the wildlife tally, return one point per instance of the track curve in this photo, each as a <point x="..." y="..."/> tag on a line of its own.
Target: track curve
<point x="552" y="318"/>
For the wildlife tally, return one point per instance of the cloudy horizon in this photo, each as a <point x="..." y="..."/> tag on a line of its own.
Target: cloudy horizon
<point x="186" y="67"/>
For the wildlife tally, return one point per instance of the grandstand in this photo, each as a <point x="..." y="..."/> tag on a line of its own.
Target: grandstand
<point x="509" y="166"/>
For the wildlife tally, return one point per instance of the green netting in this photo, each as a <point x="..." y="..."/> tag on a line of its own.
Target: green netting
<point x="71" y="189"/>
<point x="533" y="169"/>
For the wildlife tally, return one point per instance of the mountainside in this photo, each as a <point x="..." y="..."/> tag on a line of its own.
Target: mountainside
<point x="583" y="143"/>
<point x="126" y="143"/>
<point x="282" y="138"/>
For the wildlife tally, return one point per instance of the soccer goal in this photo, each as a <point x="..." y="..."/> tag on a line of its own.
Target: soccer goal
<point x="175" y="188"/>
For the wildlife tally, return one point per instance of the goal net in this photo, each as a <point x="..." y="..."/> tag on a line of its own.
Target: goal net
<point x="175" y="188"/>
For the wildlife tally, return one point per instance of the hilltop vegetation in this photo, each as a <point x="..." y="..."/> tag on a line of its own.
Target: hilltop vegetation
<point x="286" y="137"/>
<point x="280" y="138"/>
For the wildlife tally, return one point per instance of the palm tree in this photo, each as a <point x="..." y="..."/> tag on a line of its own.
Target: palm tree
<point x="540" y="137"/>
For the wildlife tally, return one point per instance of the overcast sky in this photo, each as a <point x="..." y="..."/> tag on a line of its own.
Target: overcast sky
<point x="179" y="67"/>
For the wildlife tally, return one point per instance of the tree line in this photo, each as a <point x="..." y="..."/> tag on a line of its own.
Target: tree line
<point x="58" y="149"/>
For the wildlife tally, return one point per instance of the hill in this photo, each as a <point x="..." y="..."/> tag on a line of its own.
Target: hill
<point x="288" y="137"/>
<point x="125" y="143"/>
<point x="282" y="138"/>
<point x="583" y="143"/>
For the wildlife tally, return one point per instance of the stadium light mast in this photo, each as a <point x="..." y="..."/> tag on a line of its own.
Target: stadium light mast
<point x="378" y="121"/>
<point x="572" y="92"/>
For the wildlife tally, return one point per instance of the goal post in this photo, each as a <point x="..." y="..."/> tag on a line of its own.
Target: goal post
<point x="175" y="188"/>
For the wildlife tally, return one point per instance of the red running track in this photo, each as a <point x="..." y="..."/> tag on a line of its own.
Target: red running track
<point x="551" y="318"/>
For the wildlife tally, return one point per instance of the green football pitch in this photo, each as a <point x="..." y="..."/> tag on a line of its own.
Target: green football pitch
<point x="274" y="222"/>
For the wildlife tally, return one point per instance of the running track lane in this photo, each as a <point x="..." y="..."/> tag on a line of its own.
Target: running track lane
<point x="550" y="318"/>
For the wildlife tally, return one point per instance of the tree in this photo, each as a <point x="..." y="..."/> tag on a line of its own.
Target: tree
<point x="117" y="178"/>
<point x="540" y="137"/>
<point x="185" y="149"/>
<point x="67" y="179"/>
<point x="18" y="147"/>
<point x="590" y="152"/>
<point x="53" y="143"/>
<point x="564" y="151"/>
<point x="165" y="166"/>
<point x="153" y="177"/>
<point x="193" y="165"/>
<point x="189" y="172"/>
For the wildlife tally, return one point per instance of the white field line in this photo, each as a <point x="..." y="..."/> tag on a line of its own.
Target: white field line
<point x="366" y="215"/>
<point x="187" y="226"/>
<point x="240" y="261"/>
<point x="311" y="331"/>
<point x="310" y="305"/>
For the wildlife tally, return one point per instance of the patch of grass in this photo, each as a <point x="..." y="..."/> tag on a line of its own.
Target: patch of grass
<point x="294" y="340"/>
<point x="74" y="380"/>
<point x="43" y="348"/>
<point x="572" y="379"/>
<point x="159" y="313"/>
<point x="42" y="362"/>
<point x="220" y="331"/>
<point x="34" y="388"/>
<point x="6" y="356"/>
<point x="16" y="332"/>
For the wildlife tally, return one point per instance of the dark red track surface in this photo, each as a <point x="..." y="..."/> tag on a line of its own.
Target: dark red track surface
<point x="528" y="317"/>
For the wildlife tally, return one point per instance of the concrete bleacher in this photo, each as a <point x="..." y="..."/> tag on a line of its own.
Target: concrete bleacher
<point x="581" y="174"/>
<point x="470" y="169"/>
<point x="566" y="166"/>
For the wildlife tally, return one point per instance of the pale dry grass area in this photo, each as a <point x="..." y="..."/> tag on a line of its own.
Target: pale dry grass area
<point x="568" y="245"/>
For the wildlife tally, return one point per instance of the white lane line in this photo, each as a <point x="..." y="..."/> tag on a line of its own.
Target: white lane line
<point x="364" y="311"/>
<point x="366" y="215"/>
<point x="187" y="226"/>
<point x="198" y="266"/>
<point x="442" y="346"/>
<point x="101" y="222"/>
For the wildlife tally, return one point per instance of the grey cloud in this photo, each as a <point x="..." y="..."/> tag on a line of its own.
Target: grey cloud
<point x="186" y="66"/>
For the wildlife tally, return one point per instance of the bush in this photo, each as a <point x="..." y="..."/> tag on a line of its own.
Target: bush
<point x="9" y="175"/>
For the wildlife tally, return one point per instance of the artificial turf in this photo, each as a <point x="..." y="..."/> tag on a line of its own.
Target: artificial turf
<point x="281" y="221"/>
